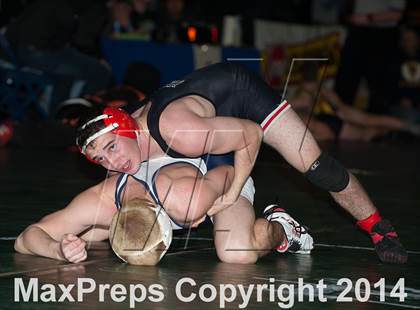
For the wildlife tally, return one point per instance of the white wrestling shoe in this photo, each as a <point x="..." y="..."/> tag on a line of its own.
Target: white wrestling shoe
<point x="298" y="240"/>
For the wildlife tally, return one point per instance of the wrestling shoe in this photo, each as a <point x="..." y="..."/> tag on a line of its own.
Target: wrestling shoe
<point x="387" y="245"/>
<point x="298" y="240"/>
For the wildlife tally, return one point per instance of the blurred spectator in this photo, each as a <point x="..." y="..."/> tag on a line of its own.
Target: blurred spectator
<point x="56" y="36"/>
<point x="168" y="23"/>
<point x="412" y="13"/>
<point x="10" y="9"/>
<point x="407" y="73"/>
<point x="143" y="17"/>
<point x="120" y="13"/>
<point x="370" y="43"/>
<point x="325" y="11"/>
<point x="132" y="17"/>
<point x="334" y="120"/>
<point x="60" y="133"/>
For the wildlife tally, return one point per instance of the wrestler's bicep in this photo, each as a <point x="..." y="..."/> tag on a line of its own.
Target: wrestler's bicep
<point x="192" y="135"/>
<point x="183" y="192"/>
<point x="95" y="234"/>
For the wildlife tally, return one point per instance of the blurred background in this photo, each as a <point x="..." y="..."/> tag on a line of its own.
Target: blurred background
<point x="350" y="67"/>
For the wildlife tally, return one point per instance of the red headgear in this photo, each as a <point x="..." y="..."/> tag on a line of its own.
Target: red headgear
<point x="127" y="126"/>
<point x="116" y="121"/>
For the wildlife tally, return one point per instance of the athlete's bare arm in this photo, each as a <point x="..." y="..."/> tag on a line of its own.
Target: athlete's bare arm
<point x="361" y="118"/>
<point x="187" y="195"/>
<point x="56" y="235"/>
<point x="190" y="127"/>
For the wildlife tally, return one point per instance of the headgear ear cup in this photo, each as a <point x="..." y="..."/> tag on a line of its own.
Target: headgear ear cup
<point x="127" y="126"/>
<point x="140" y="233"/>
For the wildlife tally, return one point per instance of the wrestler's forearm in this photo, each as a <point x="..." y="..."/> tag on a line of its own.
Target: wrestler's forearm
<point x="243" y="166"/>
<point x="215" y="183"/>
<point x="244" y="163"/>
<point x="35" y="241"/>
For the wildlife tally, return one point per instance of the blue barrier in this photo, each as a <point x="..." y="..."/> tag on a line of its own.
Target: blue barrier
<point x="172" y="60"/>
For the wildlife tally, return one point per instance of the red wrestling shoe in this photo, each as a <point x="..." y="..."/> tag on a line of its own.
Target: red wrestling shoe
<point x="387" y="245"/>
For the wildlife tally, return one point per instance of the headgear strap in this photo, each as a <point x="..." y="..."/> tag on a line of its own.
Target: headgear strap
<point x="116" y="121"/>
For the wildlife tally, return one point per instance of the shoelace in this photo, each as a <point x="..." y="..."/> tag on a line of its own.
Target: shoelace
<point x="376" y="237"/>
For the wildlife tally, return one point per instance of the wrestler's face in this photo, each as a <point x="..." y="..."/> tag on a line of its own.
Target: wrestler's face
<point x="115" y="152"/>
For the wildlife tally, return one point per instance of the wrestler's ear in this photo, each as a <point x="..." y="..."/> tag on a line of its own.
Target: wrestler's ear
<point x="88" y="157"/>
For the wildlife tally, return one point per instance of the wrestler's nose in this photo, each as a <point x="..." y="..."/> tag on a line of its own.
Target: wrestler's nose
<point x="115" y="162"/>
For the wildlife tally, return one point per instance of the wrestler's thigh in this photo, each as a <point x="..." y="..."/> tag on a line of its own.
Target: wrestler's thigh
<point x="233" y="227"/>
<point x="291" y="138"/>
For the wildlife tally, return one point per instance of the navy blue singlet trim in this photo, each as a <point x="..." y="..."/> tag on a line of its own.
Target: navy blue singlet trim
<point x="118" y="191"/>
<point x="118" y="195"/>
<point x="155" y="189"/>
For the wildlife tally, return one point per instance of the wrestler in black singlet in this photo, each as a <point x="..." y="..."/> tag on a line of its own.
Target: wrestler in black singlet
<point x="232" y="89"/>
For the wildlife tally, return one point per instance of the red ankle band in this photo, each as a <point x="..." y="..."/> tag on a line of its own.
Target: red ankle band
<point x="369" y="222"/>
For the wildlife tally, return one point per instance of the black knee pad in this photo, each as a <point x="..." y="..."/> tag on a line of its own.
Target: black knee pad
<point x="328" y="174"/>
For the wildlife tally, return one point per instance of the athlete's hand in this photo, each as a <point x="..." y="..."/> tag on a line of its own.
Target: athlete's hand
<point x="73" y="248"/>
<point x="198" y="222"/>
<point x="221" y="203"/>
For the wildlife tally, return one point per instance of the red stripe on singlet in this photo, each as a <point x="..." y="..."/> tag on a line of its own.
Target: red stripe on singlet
<point x="274" y="116"/>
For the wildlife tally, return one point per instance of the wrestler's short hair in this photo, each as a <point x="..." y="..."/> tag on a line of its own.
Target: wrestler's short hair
<point x="141" y="232"/>
<point x="105" y="120"/>
<point x="88" y="127"/>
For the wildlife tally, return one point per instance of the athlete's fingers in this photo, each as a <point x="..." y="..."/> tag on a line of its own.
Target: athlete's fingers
<point x="69" y="254"/>
<point x="72" y="249"/>
<point x="220" y="203"/>
<point x="74" y="255"/>
<point x="70" y="237"/>
<point x="198" y="222"/>
<point x="83" y="258"/>
<point x="78" y="257"/>
<point x="70" y="245"/>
